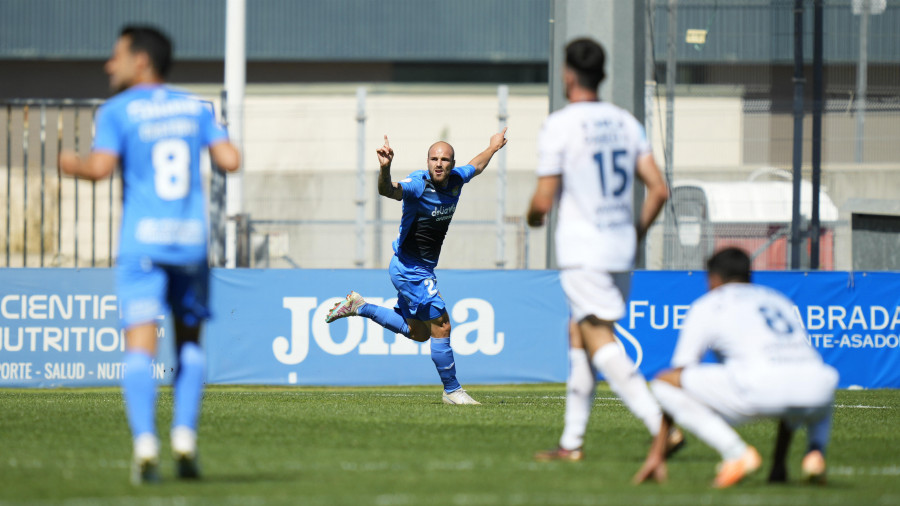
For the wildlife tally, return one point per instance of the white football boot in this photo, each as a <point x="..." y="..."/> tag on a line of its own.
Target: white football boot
<point x="345" y="308"/>
<point x="459" y="397"/>
<point x="184" y="451"/>
<point x="145" y="460"/>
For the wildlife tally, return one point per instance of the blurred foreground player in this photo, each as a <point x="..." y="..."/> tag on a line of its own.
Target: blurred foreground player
<point x="589" y="155"/>
<point x="429" y="200"/>
<point x="157" y="132"/>
<point x="768" y="370"/>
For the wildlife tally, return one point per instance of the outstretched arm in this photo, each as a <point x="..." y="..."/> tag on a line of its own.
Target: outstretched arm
<point x="498" y="140"/>
<point x="386" y="187"/>
<point x="95" y="166"/>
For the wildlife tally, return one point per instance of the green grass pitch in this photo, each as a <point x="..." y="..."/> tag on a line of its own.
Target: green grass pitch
<point x="401" y="446"/>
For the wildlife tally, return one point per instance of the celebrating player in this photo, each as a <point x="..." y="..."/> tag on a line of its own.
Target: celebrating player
<point x="157" y="133"/>
<point x="590" y="153"/>
<point x="429" y="201"/>
<point x="768" y="369"/>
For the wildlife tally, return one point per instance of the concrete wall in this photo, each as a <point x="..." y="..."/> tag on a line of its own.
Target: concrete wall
<point x="301" y="156"/>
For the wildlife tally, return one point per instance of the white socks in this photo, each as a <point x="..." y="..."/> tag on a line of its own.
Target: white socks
<point x="579" y="399"/>
<point x="699" y="420"/>
<point x="629" y="384"/>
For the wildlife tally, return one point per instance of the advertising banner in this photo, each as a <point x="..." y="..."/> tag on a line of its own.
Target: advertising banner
<point x="59" y="327"/>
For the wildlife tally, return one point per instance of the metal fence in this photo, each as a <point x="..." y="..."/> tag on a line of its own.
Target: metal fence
<point x="49" y="220"/>
<point x="309" y="189"/>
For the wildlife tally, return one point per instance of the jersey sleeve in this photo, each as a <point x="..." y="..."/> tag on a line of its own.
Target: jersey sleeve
<point x="413" y="186"/>
<point x="694" y="338"/>
<point x="551" y="148"/>
<point x="642" y="146"/>
<point x="212" y="131"/>
<point x="466" y="172"/>
<point x="107" y="131"/>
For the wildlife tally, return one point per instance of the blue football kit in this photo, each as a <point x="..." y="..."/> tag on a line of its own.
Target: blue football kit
<point x="158" y="133"/>
<point x="427" y="212"/>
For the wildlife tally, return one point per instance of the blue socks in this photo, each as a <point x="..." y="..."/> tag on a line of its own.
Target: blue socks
<point x="387" y="318"/>
<point x="188" y="386"/>
<point x="442" y="356"/>
<point x="139" y="390"/>
<point x="441" y="353"/>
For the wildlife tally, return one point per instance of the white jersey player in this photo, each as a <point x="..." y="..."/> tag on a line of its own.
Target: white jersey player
<point x="590" y="154"/>
<point x="767" y="370"/>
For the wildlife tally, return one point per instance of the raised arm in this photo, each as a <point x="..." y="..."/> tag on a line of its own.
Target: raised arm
<point x="95" y="166"/>
<point x="657" y="192"/>
<point x="386" y="187"/>
<point x="498" y="140"/>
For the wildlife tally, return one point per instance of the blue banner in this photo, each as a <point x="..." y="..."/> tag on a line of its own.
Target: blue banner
<point x="59" y="327"/>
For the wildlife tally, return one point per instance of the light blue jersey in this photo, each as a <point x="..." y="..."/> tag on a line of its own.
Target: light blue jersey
<point x="158" y="133"/>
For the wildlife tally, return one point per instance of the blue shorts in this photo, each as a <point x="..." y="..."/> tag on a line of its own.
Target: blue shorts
<point x="418" y="297"/>
<point x="147" y="290"/>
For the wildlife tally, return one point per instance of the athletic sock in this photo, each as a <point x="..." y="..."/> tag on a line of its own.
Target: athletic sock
<point x="139" y="391"/>
<point x="579" y="399"/>
<point x="387" y="318"/>
<point x="442" y="356"/>
<point x="629" y="384"/>
<point x="188" y="391"/>
<point x="699" y="420"/>
<point x="819" y="433"/>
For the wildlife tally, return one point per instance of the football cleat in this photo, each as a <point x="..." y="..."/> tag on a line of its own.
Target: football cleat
<point x="145" y="462"/>
<point x="184" y="450"/>
<point x="733" y="471"/>
<point x="813" y="467"/>
<point x="559" y="453"/>
<point x="459" y="397"/>
<point x="345" y="308"/>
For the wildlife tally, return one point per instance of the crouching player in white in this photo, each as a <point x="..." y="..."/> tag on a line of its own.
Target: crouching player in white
<point x="768" y="370"/>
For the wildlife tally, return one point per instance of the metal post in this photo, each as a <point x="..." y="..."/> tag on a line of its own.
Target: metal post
<point x="25" y="186"/>
<point x="235" y="84"/>
<point x="75" y="183"/>
<point x="360" y="176"/>
<point x="557" y="101"/>
<point x="93" y="203"/>
<point x="798" y="133"/>
<point x="816" y="133"/>
<point x="862" y="66"/>
<point x="8" y="176"/>
<point x="59" y="147"/>
<point x="43" y="163"/>
<point x="376" y="235"/>
<point x="502" y="116"/>
<point x="671" y="64"/>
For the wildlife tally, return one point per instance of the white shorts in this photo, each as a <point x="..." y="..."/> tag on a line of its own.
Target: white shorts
<point x="798" y="402"/>
<point x="595" y="292"/>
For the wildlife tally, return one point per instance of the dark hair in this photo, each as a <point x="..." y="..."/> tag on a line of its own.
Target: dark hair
<point x="586" y="58"/>
<point x="146" y="39"/>
<point x="730" y="264"/>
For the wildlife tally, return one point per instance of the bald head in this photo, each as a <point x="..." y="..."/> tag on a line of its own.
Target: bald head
<point x="440" y="162"/>
<point x="445" y="147"/>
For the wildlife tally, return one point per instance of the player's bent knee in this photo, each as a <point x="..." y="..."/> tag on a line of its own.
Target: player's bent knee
<point x="419" y="337"/>
<point x="670" y="376"/>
